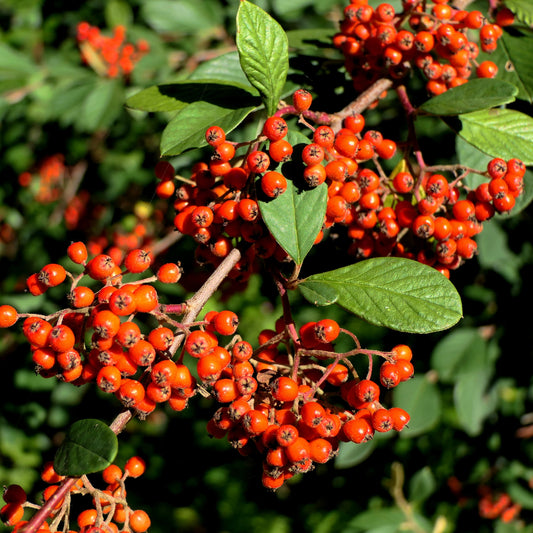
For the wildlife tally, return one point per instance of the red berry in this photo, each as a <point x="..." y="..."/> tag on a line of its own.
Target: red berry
<point x="226" y="323"/>
<point x="215" y="135"/>
<point x="389" y="375"/>
<point x="284" y="389"/>
<point x="77" y="252"/>
<point x="382" y="420"/>
<point x="8" y="316"/>
<point x="52" y="275"/>
<point x="400" y="418"/>
<point x="273" y="184"/>
<point x="258" y="162"/>
<point x="275" y="128"/>
<point x="302" y="100"/>
<point x="358" y="430"/>
<point x="312" y="413"/>
<point x="326" y="330"/>
<point x="14" y="494"/>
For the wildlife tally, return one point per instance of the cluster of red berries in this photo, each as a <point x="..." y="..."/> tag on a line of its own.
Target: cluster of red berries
<point x="293" y="403"/>
<point x="50" y="177"/>
<point x="437" y="219"/>
<point x="433" y="37"/>
<point x="293" y="387"/>
<point x="497" y="506"/>
<point x="219" y="205"/>
<point x="117" y="348"/>
<point x="423" y="217"/>
<point x="110" y="56"/>
<point x="110" y="506"/>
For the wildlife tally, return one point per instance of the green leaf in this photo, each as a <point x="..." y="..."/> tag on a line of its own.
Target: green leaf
<point x="422" y="485"/>
<point x="89" y="446"/>
<point x="318" y="293"/>
<point x="171" y="97"/>
<point x="224" y="68"/>
<point x="521" y="495"/>
<point x="187" y="129"/>
<point x="295" y="217"/>
<point x="377" y="518"/>
<point x="15" y="68"/>
<point x="472" y="404"/>
<point x="462" y="358"/>
<point x="101" y="107"/>
<point x="523" y="9"/>
<point x="512" y="56"/>
<point x="263" y="52"/>
<point x="182" y="16"/>
<point x="421" y="399"/>
<point x="351" y="454"/>
<point x="394" y="292"/>
<point x="495" y="254"/>
<point x="501" y="133"/>
<point x="118" y="13"/>
<point x="453" y="354"/>
<point x="65" y="104"/>
<point x="472" y="96"/>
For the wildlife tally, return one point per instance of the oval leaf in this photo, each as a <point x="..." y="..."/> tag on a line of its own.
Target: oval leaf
<point x="118" y="12"/>
<point x="296" y="217"/>
<point x="500" y="133"/>
<point x="263" y="52"/>
<point x="176" y="96"/>
<point x="472" y="96"/>
<point x="181" y="16"/>
<point x="319" y="294"/>
<point x="101" y="107"/>
<point x="472" y="403"/>
<point x="89" y="446"/>
<point x="225" y="67"/>
<point x="422" y="485"/>
<point x="421" y="399"/>
<point x="187" y="129"/>
<point x="512" y="57"/>
<point x="453" y="353"/>
<point x="397" y="293"/>
<point x="351" y="454"/>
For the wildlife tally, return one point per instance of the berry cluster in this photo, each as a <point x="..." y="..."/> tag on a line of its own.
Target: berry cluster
<point x="109" y="56"/>
<point x="117" y="350"/>
<point x="293" y="400"/>
<point x="50" y="177"/>
<point x="218" y="206"/>
<point x="497" y="506"/>
<point x="110" y="506"/>
<point x="437" y="218"/>
<point x="420" y="215"/>
<point x="441" y="41"/>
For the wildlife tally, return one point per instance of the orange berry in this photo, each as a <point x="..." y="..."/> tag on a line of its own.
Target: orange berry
<point x="8" y="316"/>
<point x="139" y="521"/>
<point x="135" y="466"/>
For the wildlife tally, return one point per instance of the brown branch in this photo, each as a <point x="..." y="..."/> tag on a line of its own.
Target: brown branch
<point x="362" y="102"/>
<point x="200" y="298"/>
